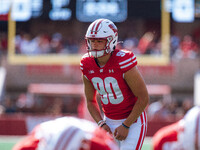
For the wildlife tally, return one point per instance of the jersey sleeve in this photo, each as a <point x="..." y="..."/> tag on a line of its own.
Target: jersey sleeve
<point x="83" y="64"/>
<point x="127" y="61"/>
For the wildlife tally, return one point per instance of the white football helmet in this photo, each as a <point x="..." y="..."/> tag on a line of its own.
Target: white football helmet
<point x="102" y="29"/>
<point x="70" y="133"/>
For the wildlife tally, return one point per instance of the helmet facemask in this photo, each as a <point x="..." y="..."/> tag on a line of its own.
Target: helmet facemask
<point x="96" y="53"/>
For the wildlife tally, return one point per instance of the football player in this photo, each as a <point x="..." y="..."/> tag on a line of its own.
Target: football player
<point x="113" y="73"/>
<point x="182" y="135"/>
<point x="67" y="133"/>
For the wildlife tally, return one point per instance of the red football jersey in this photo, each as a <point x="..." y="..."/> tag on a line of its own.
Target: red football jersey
<point x="167" y="137"/>
<point x="117" y="98"/>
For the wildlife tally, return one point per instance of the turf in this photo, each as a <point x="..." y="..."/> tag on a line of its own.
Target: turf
<point x="7" y="142"/>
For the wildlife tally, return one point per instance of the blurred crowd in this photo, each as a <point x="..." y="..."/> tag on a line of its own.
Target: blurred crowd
<point x="25" y="103"/>
<point x="168" y="109"/>
<point x="187" y="46"/>
<point x="45" y="44"/>
<point x="165" y="108"/>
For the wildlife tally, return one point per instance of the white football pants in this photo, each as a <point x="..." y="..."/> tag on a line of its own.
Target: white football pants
<point x="136" y="135"/>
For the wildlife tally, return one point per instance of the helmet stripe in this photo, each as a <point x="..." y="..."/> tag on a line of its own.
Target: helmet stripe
<point x="93" y="28"/>
<point x="96" y="29"/>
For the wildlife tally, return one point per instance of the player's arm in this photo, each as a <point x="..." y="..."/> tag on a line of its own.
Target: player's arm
<point x="92" y="106"/>
<point x="90" y="94"/>
<point x="138" y="87"/>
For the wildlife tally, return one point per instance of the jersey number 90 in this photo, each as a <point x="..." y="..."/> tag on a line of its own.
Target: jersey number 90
<point x="108" y="89"/>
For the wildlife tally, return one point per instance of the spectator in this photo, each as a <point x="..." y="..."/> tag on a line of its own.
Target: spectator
<point x="174" y="44"/>
<point x="56" y="44"/>
<point x="131" y="44"/>
<point x="144" y="42"/>
<point x="2" y="109"/>
<point x="3" y="43"/>
<point x="188" y="47"/>
<point x="43" y="44"/>
<point x="9" y="105"/>
<point x="27" y="45"/>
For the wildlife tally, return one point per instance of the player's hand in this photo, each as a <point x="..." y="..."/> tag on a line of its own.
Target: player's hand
<point x="121" y="133"/>
<point x="107" y="128"/>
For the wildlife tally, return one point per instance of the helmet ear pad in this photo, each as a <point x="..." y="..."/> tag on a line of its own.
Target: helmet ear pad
<point x="102" y="29"/>
<point x="114" y="42"/>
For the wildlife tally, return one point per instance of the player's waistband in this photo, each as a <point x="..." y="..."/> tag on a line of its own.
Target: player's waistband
<point x="108" y="120"/>
<point x="120" y="120"/>
<point x="114" y="121"/>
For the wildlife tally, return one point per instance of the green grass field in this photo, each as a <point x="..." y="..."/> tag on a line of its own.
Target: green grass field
<point x="7" y="142"/>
